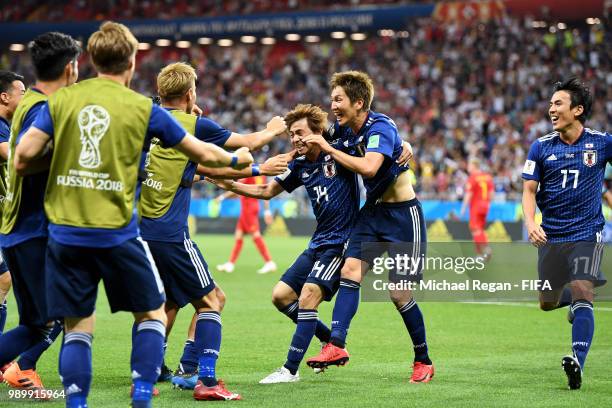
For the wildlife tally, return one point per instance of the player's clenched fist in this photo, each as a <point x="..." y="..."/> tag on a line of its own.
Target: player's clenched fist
<point x="276" y="125"/>
<point x="243" y="158"/>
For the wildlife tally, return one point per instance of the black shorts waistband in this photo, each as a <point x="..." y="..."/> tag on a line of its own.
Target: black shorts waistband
<point x="401" y="204"/>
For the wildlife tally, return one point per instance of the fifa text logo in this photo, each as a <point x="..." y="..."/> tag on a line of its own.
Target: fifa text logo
<point x="93" y="123"/>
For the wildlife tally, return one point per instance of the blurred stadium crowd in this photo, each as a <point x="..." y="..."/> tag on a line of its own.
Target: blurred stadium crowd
<point x="76" y="10"/>
<point x="454" y="90"/>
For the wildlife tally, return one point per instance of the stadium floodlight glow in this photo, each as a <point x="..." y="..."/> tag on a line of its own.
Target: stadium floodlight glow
<point x="338" y="35"/>
<point x="312" y="38"/>
<point x="592" y="20"/>
<point x="386" y="33"/>
<point x="561" y="26"/>
<point x="403" y="34"/>
<point x="358" y="36"/>
<point x="292" y="37"/>
<point x="144" y="46"/>
<point x="552" y="29"/>
<point x="538" y="24"/>
<point x="17" y="47"/>
<point x="183" y="44"/>
<point x="248" y="39"/>
<point x="205" y="40"/>
<point x="162" y="42"/>
<point x="268" y="41"/>
<point x="225" y="42"/>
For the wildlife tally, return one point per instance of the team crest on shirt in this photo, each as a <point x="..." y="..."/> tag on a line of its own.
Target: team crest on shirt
<point x="589" y="158"/>
<point x="329" y="169"/>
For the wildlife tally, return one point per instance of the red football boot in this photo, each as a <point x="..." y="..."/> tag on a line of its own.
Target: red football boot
<point x="216" y="393"/>
<point x="329" y="355"/>
<point x="421" y="373"/>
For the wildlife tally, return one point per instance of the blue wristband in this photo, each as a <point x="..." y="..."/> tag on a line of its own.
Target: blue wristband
<point x="255" y="169"/>
<point x="234" y="161"/>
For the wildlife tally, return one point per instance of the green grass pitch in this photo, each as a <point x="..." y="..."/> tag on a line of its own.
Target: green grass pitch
<point x="485" y="355"/>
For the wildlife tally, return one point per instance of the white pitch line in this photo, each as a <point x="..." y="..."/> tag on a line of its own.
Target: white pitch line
<point x="520" y="304"/>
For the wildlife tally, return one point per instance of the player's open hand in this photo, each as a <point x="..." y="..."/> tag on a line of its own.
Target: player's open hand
<point x="318" y="140"/>
<point x="536" y="235"/>
<point x="406" y="154"/>
<point x="274" y="165"/>
<point x="245" y="158"/>
<point x="276" y="125"/>
<point x="223" y="184"/>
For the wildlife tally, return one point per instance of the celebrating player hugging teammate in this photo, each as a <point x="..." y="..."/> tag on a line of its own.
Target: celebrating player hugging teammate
<point x="564" y="174"/>
<point x="164" y="208"/>
<point x="392" y="214"/>
<point x="314" y="276"/>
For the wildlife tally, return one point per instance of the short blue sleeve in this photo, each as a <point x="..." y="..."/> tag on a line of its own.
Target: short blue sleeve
<point x="290" y="179"/>
<point x="531" y="169"/>
<point x="163" y="126"/>
<point x="5" y="131"/>
<point x="39" y="117"/>
<point x="608" y="142"/>
<point x="381" y="138"/>
<point x="210" y="131"/>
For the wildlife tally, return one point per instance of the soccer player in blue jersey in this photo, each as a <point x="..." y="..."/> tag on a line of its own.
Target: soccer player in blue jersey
<point x="24" y="225"/>
<point x="314" y="276"/>
<point x="391" y="214"/>
<point x="100" y="131"/>
<point x="165" y="209"/>
<point x="563" y="176"/>
<point x="12" y="90"/>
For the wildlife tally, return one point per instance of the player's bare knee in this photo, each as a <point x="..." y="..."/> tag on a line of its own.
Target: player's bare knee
<point x="209" y="302"/>
<point x="283" y="295"/>
<point x="220" y="298"/>
<point x="400" y="297"/>
<point x="582" y="289"/>
<point x="157" y="314"/>
<point x="311" y="296"/>
<point x="5" y="282"/>
<point x="547" y="305"/>
<point x="352" y="271"/>
<point x="80" y="324"/>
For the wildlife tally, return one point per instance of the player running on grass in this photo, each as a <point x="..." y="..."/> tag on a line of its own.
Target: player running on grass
<point x="24" y="224"/>
<point x="100" y="129"/>
<point x="164" y="206"/>
<point x="391" y="214"/>
<point x="314" y="276"/>
<point x="563" y="176"/>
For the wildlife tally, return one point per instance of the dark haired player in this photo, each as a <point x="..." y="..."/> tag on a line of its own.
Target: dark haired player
<point x="11" y="92"/>
<point x="24" y="224"/>
<point x="563" y="175"/>
<point x="391" y="214"/>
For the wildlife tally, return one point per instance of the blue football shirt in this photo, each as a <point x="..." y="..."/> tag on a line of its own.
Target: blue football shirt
<point x="570" y="179"/>
<point x="378" y="134"/>
<point x="333" y="192"/>
<point x="173" y="225"/>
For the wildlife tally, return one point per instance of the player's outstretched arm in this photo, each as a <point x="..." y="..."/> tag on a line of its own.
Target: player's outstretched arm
<point x="272" y="167"/>
<point x="466" y="200"/>
<point x="536" y="234"/>
<point x="209" y="155"/>
<point x="29" y="151"/>
<point x="256" y="140"/>
<point x="261" y="191"/>
<point x="367" y="166"/>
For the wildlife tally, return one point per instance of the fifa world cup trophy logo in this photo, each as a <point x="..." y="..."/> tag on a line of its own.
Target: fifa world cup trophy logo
<point x="93" y="124"/>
